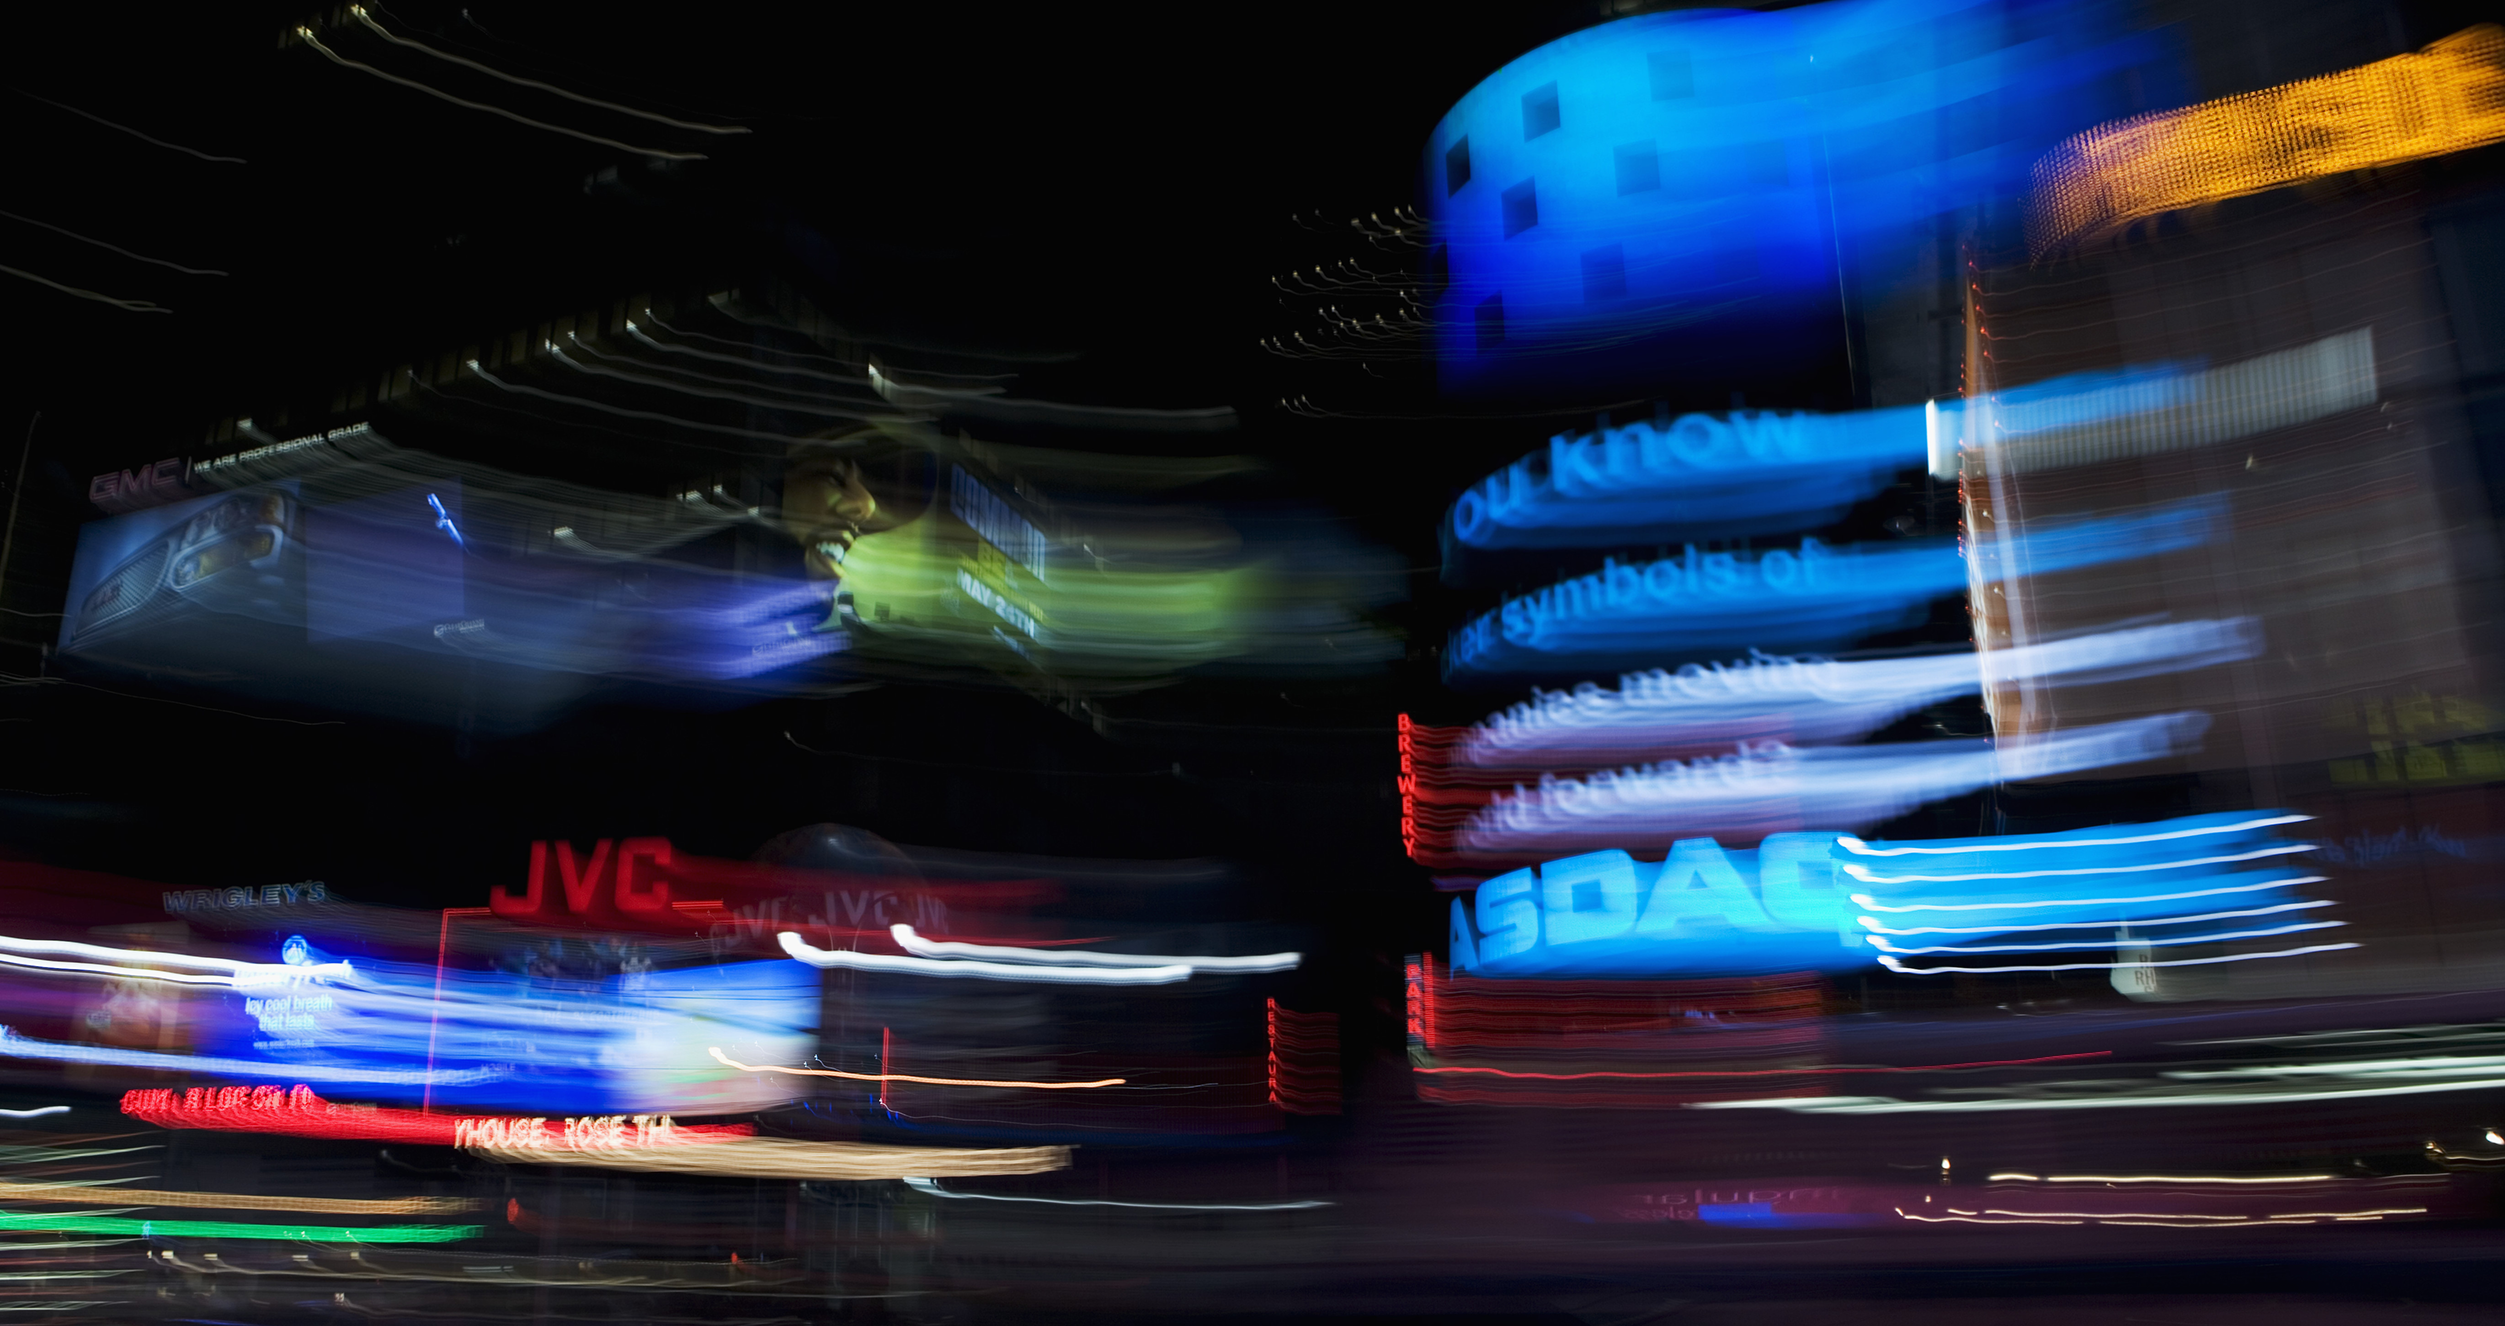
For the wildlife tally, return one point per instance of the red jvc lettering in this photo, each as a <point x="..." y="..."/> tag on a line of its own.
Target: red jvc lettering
<point x="631" y="870"/>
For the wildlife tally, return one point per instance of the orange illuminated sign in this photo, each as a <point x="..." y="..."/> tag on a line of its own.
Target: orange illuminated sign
<point x="2446" y="98"/>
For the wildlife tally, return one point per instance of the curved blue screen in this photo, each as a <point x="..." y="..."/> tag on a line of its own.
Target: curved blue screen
<point x="1693" y="178"/>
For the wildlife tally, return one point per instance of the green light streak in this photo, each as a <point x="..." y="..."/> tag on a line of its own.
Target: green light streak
<point x="231" y="1229"/>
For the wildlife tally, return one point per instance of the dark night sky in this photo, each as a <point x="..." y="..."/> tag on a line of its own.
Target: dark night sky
<point x="1118" y="183"/>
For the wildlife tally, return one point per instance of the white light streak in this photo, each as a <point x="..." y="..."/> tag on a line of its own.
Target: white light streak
<point x="806" y="952"/>
<point x="1893" y="965"/>
<point x="1865" y="900"/>
<point x="1884" y="946"/>
<point x="359" y="12"/>
<point x="306" y="35"/>
<point x="15" y="1046"/>
<point x="915" y="944"/>
<point x="1859" y="848"/>
<point x="1872" y="924"/>
<point x="129" y="305"/>
<point x="1864" y="873"/>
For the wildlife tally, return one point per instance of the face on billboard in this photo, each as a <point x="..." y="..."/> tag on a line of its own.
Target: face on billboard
<point x="826" y="506"/>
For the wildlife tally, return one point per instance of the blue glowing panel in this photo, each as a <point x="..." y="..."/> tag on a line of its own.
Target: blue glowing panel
<point x="1702" y="604"/>
<point x="1699" y="604"/>
<point x="1697" y="475"/>
<point x="1691" y="177"/>
<point x="1772" y="788"/>
<point x="1810" y="700"/>
<point x="385" y="563"/>
<point x="2204" y="889"/>
<point x="531" y="1041"/>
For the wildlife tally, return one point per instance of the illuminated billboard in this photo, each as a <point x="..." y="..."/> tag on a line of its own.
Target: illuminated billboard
<point x="1695" y="183"/>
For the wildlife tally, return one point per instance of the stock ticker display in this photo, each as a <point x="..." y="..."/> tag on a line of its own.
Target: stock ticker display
<point x="1570" y="663"/>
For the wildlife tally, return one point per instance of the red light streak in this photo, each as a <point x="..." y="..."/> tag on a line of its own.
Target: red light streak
<point x="1767" y="1072"/>
<point x="300" y="1113"/>
<point x="434" y="1015"/>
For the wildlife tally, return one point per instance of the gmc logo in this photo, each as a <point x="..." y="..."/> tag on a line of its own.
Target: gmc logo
<point x="130" y="490"/>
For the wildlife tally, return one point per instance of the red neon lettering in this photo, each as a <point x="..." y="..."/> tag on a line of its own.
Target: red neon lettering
<point x="300" y="1113"/>
<point x="579" y="886"/>
<point x="653" y="899"/>
<point x="501" y="901"/>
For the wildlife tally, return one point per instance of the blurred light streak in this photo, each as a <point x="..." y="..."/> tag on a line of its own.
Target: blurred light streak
<point x="36" y="1113"/>
<point x="15" y="1046"/>
<point x="1753" y="471"/>
<point x="816" y="407"/>
<point x="2447" y="98"/>
<point x="792" y="1158"/>
<point x="307" y="36"/>
<point x="920" y="947"/>
<point x="1764" y="1072"/>
<point x="228" y="1229"/>
<point x="747" y="361"/>
<point x="236" y="972"/>
<point x="2161" y="1178"/>
<point x="806" y="952"/>
<point x="1769" y="787"/>
<point x="362" y="16"/>
<point x="716" y="1052"/>
<point x="643" y="1144"/>
<point x="1866" y="874"/>
<point x="2142" y="941"/>
<point x="1810" y="597"/>
<point x="134" y="257"/>
<point x="158" y="142"/>
<point x="235" y="1201"/>
<point x="2103" y="923"/>
<point x="1814" y="700"/>
<point x="300" y="1113"/>
<point x="922" y="1185"/>
<point x="2087" y="418"/>
<point x="675" y="421"/>
<point x="1864" y="900"/>
<point x="1886" y="1105"/>
<point x="1859" y="848"/>
<point x="130" y="305"/>
<point x="1894" y="965"/>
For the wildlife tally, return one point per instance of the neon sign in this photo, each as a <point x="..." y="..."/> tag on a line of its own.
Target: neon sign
<point x="1748" y="471"/>
<point x="239" y="898"/>
<point x="1812" y="699"/>
<point x="1811" y="597"/>
<point x="298" y="1112"/>
<point x="2449" y="97"/>
<point x="1830" y="902"/>
<point x="633" y="883"/>
<point x="1768" y="786"/>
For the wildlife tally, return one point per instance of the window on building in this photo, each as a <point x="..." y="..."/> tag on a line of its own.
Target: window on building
<point x="1639" y="167"/>
<point x="1522" y="208"/>
<point x="1673" y="76"/>
<point x="1539" y="111"/>
<point x="1456" y="166"/>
